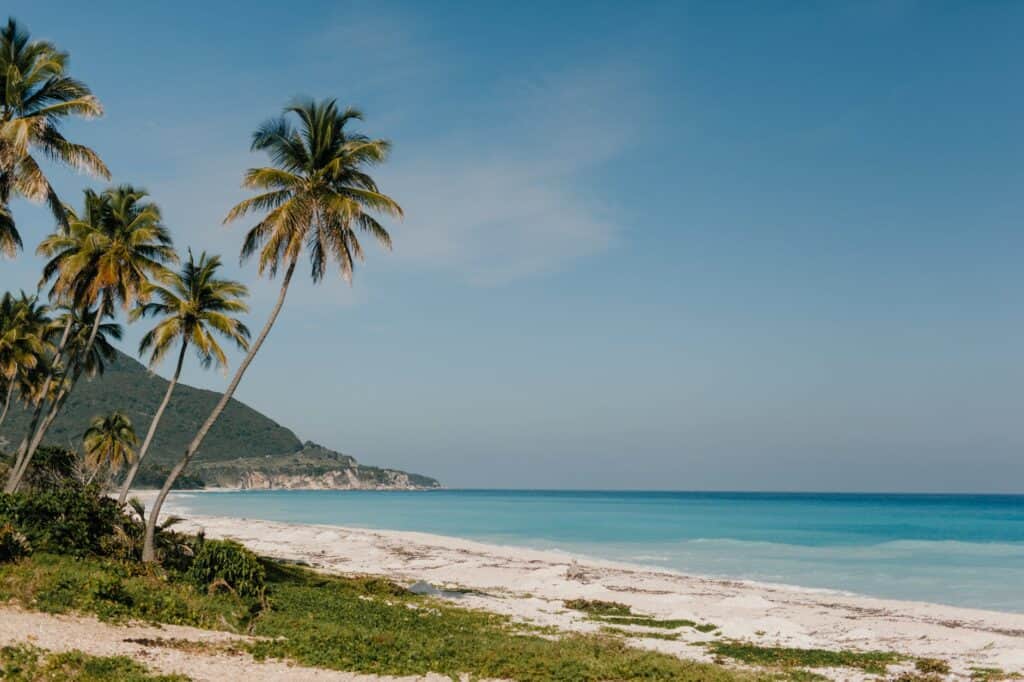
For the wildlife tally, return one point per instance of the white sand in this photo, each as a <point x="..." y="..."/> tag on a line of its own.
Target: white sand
<point x="531" y="585"/>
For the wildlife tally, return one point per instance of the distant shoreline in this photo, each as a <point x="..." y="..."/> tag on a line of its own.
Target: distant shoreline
<point x="626" y="491"/>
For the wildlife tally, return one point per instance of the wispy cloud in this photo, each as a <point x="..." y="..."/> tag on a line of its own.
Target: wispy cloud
<point x="508" y="197"/>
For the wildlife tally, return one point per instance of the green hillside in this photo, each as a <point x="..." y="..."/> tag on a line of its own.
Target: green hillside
<point x="244" y="448"/>
<point x="129" y="387"/>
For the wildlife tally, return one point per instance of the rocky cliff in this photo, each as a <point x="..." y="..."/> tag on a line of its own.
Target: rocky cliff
<point x="314" y="467"/>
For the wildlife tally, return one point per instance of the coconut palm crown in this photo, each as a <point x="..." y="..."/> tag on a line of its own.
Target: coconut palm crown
<point x="194" y="308"/>
<point x="109" y="440"/>
<point x="36" y="95"/>
<point x="317" y="194"/>
<point x="21" y="337"/>
<point x="113" y="248"/>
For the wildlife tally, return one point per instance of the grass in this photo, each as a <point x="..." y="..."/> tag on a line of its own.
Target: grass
<point x="58" y="584"/>
<point x="932" y="665"/>
<point x="615" y="613"/>
<point x="993" y="675"/>
<point x="608" y="630"/>
<point x="647" y="621"/>
<point x="597" y="607"/>
<point x="27" y="664"/>
<point x="784" y="657"/>
<point x="367" y="625"/>
<point x="372" y="625"/>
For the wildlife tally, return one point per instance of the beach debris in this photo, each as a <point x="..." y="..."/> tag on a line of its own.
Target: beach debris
<point x="576" y="573"/>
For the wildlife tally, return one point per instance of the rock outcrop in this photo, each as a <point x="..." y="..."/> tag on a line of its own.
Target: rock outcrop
<point x="314" y="467"/>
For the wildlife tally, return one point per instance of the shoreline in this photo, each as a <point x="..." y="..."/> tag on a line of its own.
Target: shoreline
<point x="638" y="564"/>
<point x="532" y="584"/>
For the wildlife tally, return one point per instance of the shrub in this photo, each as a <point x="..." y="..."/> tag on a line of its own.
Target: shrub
<point x="51" y="466"/>
<point x="173" y="550"/>
<point x="66" y="520"/>
<point x="223" y="562"/>
<point x="597" y="607"/>
<point x="932" y="665"/>
<point x="13" y="543"/>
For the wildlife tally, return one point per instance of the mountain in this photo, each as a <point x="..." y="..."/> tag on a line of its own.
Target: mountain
<point x="243" y="448"/>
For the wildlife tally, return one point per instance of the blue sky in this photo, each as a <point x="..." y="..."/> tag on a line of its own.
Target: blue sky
<point x="664" y="245"/>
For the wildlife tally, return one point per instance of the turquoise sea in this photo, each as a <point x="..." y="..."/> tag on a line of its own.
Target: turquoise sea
<point x="966" y="550"/>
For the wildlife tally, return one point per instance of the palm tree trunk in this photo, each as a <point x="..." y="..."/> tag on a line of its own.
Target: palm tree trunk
<point x="47" y="421"/>
<point x="148" y="554"/>
<point x="59" y="402"/>
<point x="7" y="401"/>
<point x="37" y="414"/>
<point x="152" y="426"/>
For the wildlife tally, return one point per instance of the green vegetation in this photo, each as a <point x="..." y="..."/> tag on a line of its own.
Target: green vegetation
<point x="617" y="613"/>
<point x="117" y="592"/>
<point x="373" y="626"/>
<point x="993" y="675"/>
<point x="650" y="622"/>
<point x="784" y="657"/>
<point x="362" y="624"/>
<point x="596" y="607"/>
<point x="608" y="630"/>
<point x="932" y="665"/>
<point x="28" y="664"/>
<point x="13" y="543"/>
<point x="128" y="386"/>
<point x="223" y="563"/>
<point x="110" y="442"/>
<point x="67" y="519"/>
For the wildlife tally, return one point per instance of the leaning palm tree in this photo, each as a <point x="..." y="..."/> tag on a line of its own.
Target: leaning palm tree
<point x="193" y="309"/>
<point x="36" y="94"/>
<point x="22" y="343"/>
<point x="317" y="195"/>
<point x="111" y="252"/>
<point x="89" y="346"/>
<point x="109" y="441"/>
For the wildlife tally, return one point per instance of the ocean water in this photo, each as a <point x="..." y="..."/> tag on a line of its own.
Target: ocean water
<point x="966" y="550"/>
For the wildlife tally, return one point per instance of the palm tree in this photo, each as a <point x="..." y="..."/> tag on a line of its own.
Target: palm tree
<point x="111" y="252"/>
<point x="36" y="94"/>
<point x="22" y="343"/>
<point x="316" y="195"/>
<point x="109" y="441"/>
<point x="10" y="240"/>
<point x="196" y="306"/>
<point x="88" y="344"/>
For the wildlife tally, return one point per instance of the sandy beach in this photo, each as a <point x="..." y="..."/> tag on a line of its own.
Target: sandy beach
<point x="532" y="585"/>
